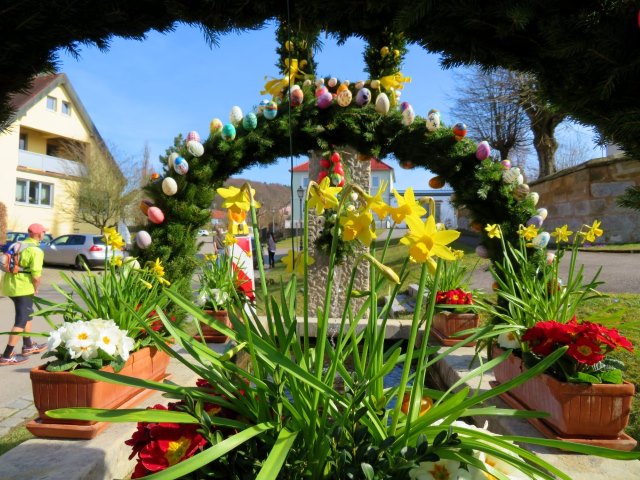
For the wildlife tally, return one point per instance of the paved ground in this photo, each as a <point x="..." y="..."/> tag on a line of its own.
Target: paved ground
<point x="621" y="273"/>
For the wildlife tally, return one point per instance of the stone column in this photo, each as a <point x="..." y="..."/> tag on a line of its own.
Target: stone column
<point x="358" y="172"/>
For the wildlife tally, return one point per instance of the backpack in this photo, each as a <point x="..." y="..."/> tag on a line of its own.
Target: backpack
<point x="10" y="261"/>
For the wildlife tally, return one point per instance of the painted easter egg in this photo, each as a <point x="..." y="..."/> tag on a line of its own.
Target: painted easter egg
<point x="143" y="239"/>
<point x="335" y="178"/>
<point x="382" y="104"/>
<point x="144" y="206"/>
<point x="384" y="51"/>
<point x="262" y="105"/>
<point x="363" y="97"/>
<point x="271" y="110"/>
<point x="344" y="98"/>
<point x="229" y="132"/>
<point x="307" y="83"/>
<point x="154" y="176"/>
<point x="550" y="257"/>
<point x="521" y="192"/>
<point x="359" y="84"/>
<point x="337" y="168"/>
<point x="375" y="84"/>
<point x="534" y="197"/>
<point x="404" y="106"/>
<point x="195" y="148"/>
<point x="321" y="175"/>
<point x="536" y="221"/>
<point x="155" y="215"/>
<point x="406" y="164"/>
<point x="193" y="135"/>
<point x="433" y="120"/>
<point x="335" y="157"/>
<point x="436" y="182"/>
<point x="181" y="166"/>
<point x="520" y="179"/>
<point x="332" y="82"/>
<point x="511" y="175"/>
<point x="250" y="121"/>
<point x="296" y="96"/>
<point x="235" y="115"/>
<point x="408" y="116"/>
<point x="541" y="240"/>
<point x="324" y="163"/>
<point x="343" y="86"/>
<point x="482" y="251"/>
<point x="319" y="82"/>
<point x="483" y="151"/>
<point x="459" y="131"/>
<point x="506" y="164"/>
<point x="169" y="186"/>
<point x="321" y="90"/>
<point x="543" y="213"/>
<point x="171" y="159"/>
<point x="215" y="126"/>
<point x="325" y="100"/>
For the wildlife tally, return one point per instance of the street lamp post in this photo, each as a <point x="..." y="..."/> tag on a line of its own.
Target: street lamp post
<point x="300" y="192"/>
<point x="273" y="221"/>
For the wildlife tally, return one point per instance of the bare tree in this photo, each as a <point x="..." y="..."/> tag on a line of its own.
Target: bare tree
<point x="487" y="101"/>
<point x="140" y="176"/>
<point x="98" y="191"/>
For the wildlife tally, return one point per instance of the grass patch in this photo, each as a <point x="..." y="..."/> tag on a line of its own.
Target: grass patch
<point x="15" y="437"/>
<point x="625" y="247"/>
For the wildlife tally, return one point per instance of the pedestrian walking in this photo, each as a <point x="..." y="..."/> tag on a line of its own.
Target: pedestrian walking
<point x="20" y="287"/>
<point x="271" y="244"/>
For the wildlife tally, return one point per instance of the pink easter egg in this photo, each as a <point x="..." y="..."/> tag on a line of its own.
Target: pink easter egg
<point x="155" y="215"/>
<point x="506" y="164"/>
<point x="325" y="100"/>
<point x="321" y="90"/>
<point x="193" y="135"/>
<point x="483" y="151"/>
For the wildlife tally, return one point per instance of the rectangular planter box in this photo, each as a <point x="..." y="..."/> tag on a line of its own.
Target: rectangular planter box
<point x="576" y="410"/>
<point x="447" y="324"/>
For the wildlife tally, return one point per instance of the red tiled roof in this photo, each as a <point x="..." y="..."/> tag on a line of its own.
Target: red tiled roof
<point x="39" y="84"/>
<point x="218" y="214"/>
<point x="375" y="165"/>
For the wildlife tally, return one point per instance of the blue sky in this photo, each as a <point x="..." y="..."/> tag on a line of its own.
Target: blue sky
<point x="149" y="91"/>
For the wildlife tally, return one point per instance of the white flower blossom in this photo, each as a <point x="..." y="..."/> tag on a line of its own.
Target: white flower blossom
<point x="508" y="340"/>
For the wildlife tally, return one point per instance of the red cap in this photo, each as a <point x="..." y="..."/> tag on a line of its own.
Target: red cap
<point x="36" y="228"/>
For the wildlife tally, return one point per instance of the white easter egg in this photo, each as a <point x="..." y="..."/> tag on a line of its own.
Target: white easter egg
<point x="319" y="82"/>
<point x="541" y="240"/>
<point x="172" y="158"/>
<point x="534" y="197"/>
<point x="169" y="186"/>
<point x="382" y="104"/>
<point x="344" y="98"/>
<point x="520" y="179"/>
<point x="332" y="82"/>
<point x="433" y="120"/>
<point x="408" y="116"/>
<point x="235" y="115"/>
<point x="543" y="213"/>
<point x="143" y="239"/>
<point x="359" y="84"/>
<point x="511" y="175"/>
<point x="375" y="84"/>
<point x="195" y="148"/>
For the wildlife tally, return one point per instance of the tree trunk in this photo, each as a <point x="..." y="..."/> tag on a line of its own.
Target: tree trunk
<point x="543" y="125"/>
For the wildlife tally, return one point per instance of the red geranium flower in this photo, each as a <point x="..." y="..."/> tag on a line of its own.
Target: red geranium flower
<point x="585" y="351"/>
<point x="454" y="297"/>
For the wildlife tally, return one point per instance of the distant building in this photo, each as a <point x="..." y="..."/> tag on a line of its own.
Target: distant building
<point x="380" y="173"/>
<point x="445" y="211"/>
<point x="35" y="178"/>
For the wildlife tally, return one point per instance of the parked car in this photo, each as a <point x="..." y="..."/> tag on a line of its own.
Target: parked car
<point x="13" y="237"/>
<point x="203" y="233"/>
<point x="78" y="249"/>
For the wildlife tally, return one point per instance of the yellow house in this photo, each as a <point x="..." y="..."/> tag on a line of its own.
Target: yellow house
<point x="35" y="181"/>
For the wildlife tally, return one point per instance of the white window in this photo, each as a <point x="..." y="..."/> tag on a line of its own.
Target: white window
<point x="66" y="108"/>
<point x="34" y="193"/>
<point x="305" y="182"/>
<point x="52" y="103"/>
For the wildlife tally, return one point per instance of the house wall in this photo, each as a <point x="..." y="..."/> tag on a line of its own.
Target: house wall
<point x="588" y="192"/>
<point x="9" y="164"/>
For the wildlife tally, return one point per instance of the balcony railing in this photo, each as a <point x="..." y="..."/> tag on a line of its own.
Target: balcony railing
<point x="47" y="163"/>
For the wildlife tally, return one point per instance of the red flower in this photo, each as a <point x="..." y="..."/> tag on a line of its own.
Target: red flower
<point x="585" y="351"/>
<point x="454" y="297"/>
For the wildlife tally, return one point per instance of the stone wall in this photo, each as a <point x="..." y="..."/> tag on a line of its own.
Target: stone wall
<point x="360" y="173"/>
<point x="588" y="192"/>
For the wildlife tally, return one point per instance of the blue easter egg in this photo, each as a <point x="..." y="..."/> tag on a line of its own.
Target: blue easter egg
<point x="541" y="240"/>
<point x="181" y="166"/>
<point x="229" y="132"/>
<point x="250" y="121"/>
<point x="536" y="221"/>
<point x="271" y="110"/>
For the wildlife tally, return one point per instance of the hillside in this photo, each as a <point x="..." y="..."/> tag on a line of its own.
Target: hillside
<point x="274" y="198"/>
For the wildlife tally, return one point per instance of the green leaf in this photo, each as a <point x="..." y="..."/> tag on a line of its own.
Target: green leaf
<point x="611" y="376"/>
<point x="582" y="377"/>
<point x="367" y="470"/>
<point x="277" y="456"/>
<point x="122" y="416"/>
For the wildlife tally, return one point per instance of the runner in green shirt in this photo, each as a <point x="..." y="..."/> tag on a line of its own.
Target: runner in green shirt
<point x="21" y="287"/>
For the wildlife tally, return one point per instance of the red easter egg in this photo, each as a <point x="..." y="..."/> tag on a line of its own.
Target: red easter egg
<point x="335" y="157"/>
<point x="324" y="163"/>
<point x="406" y="164"/>
<point x="341" y="184"/>
<point x="155" y="215"/>
<point x="337" y="168"/>
<point x="321" y="175"/>
<point x="436" y="182"/>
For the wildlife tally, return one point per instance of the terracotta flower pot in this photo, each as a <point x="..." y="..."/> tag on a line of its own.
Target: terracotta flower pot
<point x="53" y="390"/>
<point x="210" y="334"/>
<point x="447" y="324"/>
<point x="576" y="410"/>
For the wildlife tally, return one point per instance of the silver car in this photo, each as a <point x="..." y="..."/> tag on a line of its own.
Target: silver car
<point x="78" y="249"/>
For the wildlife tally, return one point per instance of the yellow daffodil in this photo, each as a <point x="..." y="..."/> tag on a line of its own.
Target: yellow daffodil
<point x="407" y="207"/>
<point x="236" y="215"/>
<point x="237" y="201"/>
<point x="116" y="261"/>
<point x="458" y="254"/>
<point x="156" y="268"/>
<point x="323" y="196"/>
<point x="375" y="202"/>
<point x="562" y="234"/>
<point x="295" y="260"/>
<point x="357" y="225"/>
<point x="229" y="239"/>
<point x="210" y="257"/>
<point x="594" y="231"/>
<point x="493" y="231"/>
<point x="112" y="238"/>
<point x="528" y="233"/>
<point x="146" y="284"/>
<point x="425" y="241"/>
